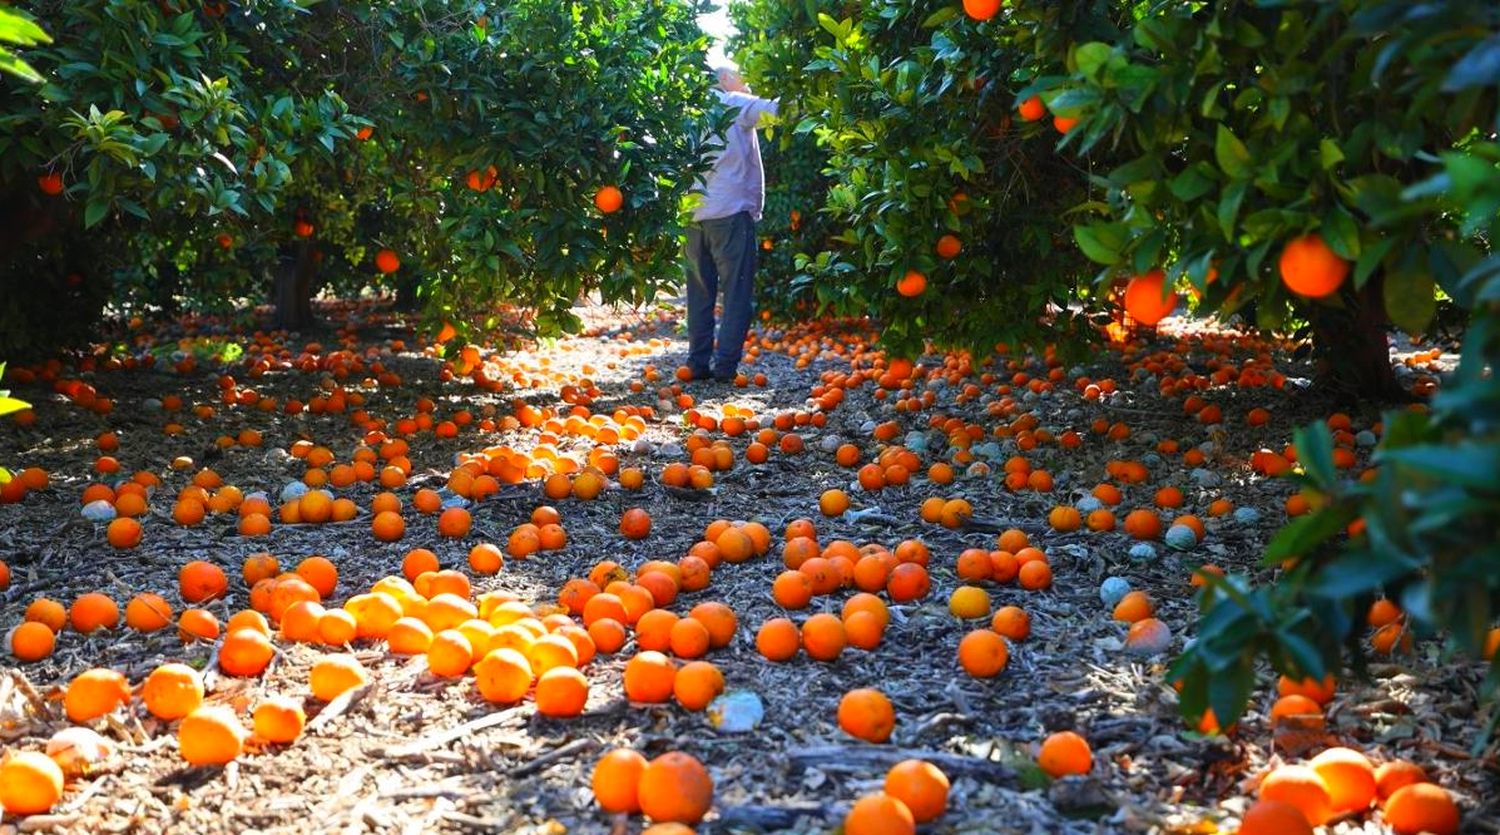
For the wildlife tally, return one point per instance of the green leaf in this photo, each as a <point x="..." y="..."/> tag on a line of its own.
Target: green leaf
<point x="1102" y="242"/>
<point x="939" y="17"/>
<point x="1315" y="453"/>
<point x="1231" y="154"/>
<point x="11" y="404"/>
<point x="1479" y="67"/>
<point x="1410" y="298"/>
<point x="1329" y="154"/>
<point x="1303" y="534"/>
<point x="1091" y="58"/>
<point x="1370" y="258"/>
<point x="95" y="211"/>
<point x="1340" y="233"/>
<point x="1229" y="206"/>
<point x="1468" y="463"/>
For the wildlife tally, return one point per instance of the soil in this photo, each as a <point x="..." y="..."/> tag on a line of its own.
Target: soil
<point x="413" y="753"/>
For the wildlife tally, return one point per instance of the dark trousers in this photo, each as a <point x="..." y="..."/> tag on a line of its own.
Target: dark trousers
<point x="719" y="252"/>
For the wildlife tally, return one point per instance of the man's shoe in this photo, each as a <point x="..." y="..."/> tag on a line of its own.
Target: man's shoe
<point x="725" y="376"/>
<point x="700" y="373"/>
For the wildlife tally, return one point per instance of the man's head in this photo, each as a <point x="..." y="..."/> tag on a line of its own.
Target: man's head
<point x="729" y="79"/>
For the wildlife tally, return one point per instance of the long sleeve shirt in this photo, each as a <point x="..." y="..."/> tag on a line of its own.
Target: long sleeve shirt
<point x="737" y="182"/>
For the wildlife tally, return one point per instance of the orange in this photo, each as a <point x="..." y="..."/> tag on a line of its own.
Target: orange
<point x="93" y="693"/>
<point x="689" y="638"/>
<point x="1421" y="807"/>
<point x="1349" y="776"/>
<point x="1064" y="519"/>
<point x="485" y="558"/>
<point x="32" y="641"/>
<point x="47" y="612"/>
<point x="635" y="523"/>
<point x="968" y="602"/>
<point x="123" y="532"/>
<point x="210" y="735"/>
<point x="199" y="624"/>
<point x="245" y="652"/>
<point x="30" y="783"/>
<point x="454" y="523"/>
<point x="1012" y="622"/>
<point x="408" y="636"/>
<point x="983" y="653"/>
<point x="503" y="676"/>
<point x="332" y="675"/>
<point x="388" y="526"/>
<point x="561" y="692"/>
<point x="1301" y="787"/>
<point x="867" y="714"/>
<point x="172" y="691"/>
<point x="450" y="654"/>
<point x="912" y="284"/>
<point x="697" y="683"/>
<point x="417" y="562"/>
<point x="922" y="786"/>
<point x="823" y="637"/>
<point x="880" y="813"/>
<point x="1272" y="817"/>
<point x="93" y="611"/>
<point x="675" y="788"/>
<point x="1146" y="298"/>
<point x="833" y="502"/>
<point x="147" y="612"/>
<point x="279" y="720"/>
<point x="200" y="581"/>
<point x="649" y="677"/>
<point x="1035" y="575"/>
<point x="1134" y="606"/>
<point x="778" y="639"/>
<point x="1143" y="524"/>
<point x="949" y="246"/>
<point x="908" y="581"/>
<point x="1309" y="268"/>
<point x="719" y="619"/>
<point x="1297" y="707"/>
<point x="616" y="781"/>
<point x="1064" y="753"/>
<point x="1391" y="776"/>
<point x="608" y="634"/>
<point x="320" y="573"/>
<point x="1032" y="109"/>
<point x="609" y="199"/>
<point x="792" y="590"/>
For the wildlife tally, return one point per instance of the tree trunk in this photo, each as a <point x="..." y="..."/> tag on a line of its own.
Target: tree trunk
<point x="406" y="294"/>
<point x="293" y="289"/>
<point x="1354" y="359"/>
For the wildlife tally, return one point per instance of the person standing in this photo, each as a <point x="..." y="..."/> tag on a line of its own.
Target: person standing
<point x="721" y="241"/>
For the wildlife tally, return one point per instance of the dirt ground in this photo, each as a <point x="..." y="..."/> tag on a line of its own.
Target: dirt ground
<point x="414" y="753"/>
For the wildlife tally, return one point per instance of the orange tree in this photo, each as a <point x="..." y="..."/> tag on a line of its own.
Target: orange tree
<point x="943" y="205"/>
<point x="1333" y="164"/>
<point x="1264" y="152"/>
<point x="1324" y="165"/>
<point x="208" y="154"/>
<point x="795" y="225"/>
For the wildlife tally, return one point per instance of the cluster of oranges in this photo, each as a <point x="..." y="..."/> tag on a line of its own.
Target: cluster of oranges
<point x="1340" y="782"/>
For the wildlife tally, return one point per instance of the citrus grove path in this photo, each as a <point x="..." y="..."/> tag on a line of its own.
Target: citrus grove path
<point x="1030" y="482"/>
